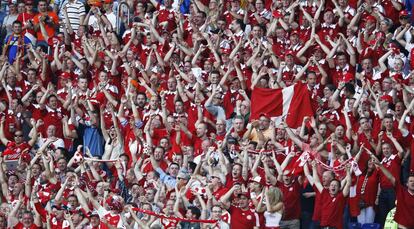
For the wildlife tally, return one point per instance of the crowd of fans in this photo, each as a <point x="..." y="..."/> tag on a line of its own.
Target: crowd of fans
<point x="140" y="118"/>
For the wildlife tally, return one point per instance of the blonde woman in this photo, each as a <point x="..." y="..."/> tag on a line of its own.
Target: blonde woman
<point x="274" y="207"/>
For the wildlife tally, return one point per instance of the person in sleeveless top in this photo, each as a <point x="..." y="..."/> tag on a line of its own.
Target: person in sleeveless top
<point x="273" y="208"/>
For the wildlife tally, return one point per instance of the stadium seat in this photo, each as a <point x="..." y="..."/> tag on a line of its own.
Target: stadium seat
<point x="354" y="226"/>
<point x="371" y="226"/>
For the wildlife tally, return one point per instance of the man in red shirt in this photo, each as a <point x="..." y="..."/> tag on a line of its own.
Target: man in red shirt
<point x="26" y="18"/>
<point x="217" y="185"/>
<point x="333" y="201"/>
<point x="14" y="149"/>
<point x="392" y="162"/>
<point x="405" y="197"/>
<point x="95" y="221"/>
<point x="27" y="221"/>
<point x="242" y="217"/>
<point x="291" y="189"/>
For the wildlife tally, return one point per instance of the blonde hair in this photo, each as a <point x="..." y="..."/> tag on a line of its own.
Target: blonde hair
<point x="275" y="195"/>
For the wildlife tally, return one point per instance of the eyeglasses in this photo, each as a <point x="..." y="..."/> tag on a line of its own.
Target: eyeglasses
<point x="18" y="135"/>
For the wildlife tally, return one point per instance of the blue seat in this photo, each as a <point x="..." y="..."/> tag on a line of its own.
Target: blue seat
<point x="371" y="226"/>
<point x="354" y="226"/>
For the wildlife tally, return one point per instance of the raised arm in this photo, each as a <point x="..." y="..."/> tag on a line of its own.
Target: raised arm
<point x="384" y="170"/>
<point x="316" y="180"/>
<point x="345" y="190"/>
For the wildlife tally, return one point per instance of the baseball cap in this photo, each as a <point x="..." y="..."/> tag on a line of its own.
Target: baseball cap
<point x="94" y="213"/>
<point x="295" y="31"/>
<point x="289" y="52"/>
<point x="258" y="179"/>
<point x="403" y="13"/>
<point x="387" y="98"/>
<point x="317" y="47"/>
<point x="266" y="115"/>
<point x="370" y="18"/>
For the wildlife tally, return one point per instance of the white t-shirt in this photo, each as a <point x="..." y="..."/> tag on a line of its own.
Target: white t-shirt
<point x="272" y="219"/>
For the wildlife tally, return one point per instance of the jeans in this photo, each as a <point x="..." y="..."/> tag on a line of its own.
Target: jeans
<point x="306" y="220"/>
<point x="290" y="224"/>
<point x="386" y="203"/>
<point x="367" y="215"/>
<point x="346" y="217"/>
<point x="315" y="225"/>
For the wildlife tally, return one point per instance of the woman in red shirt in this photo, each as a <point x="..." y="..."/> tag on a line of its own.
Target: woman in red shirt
<point x="366" y="191"/>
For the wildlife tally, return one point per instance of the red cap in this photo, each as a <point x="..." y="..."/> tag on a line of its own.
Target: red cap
<point x="370" y="18"/>
<point x="65" y="75"/>
<point x="393" y="46"/>
<point x="317" y="47"/>
<point x="225" y="51"/>
<point x="328" y="9"/>
<point x="101" y="55"/>
<point x="387" y="98"/>
<point x="26" y="157"/>
<point x="97" y="3"/>
<point x="265" y="115"/>
<point x="403" y="13"/>
<point x="276" y="14"/>
<point x="28" y="2"/>
<point x="289" y="52"/>
<point x="210" y="59"/>
<point x="295" y="31"/>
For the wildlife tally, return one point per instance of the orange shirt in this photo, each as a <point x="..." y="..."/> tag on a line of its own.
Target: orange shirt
<point x="49" y="29"/>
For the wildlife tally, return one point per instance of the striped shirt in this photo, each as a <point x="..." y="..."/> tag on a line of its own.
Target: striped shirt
<point x="75" y="10"/>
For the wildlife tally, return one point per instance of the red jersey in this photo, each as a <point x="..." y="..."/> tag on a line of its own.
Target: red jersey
<point x="113" y="219"/>
<point x="243" y="219"/>
<point x="366" y="190"/>
<point x="20" y="226"/>
<point x="332" y="209"/>
<point x="291" y="199"/>
<point x="405" y="206"/>
<point x="13" y="150"/>
<point x="392" y="164"/>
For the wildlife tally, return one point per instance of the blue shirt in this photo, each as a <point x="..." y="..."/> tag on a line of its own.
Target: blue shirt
<point x="185" y="7"/>
<point x="93" y="139"/>
<point x="15" y="44"/>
